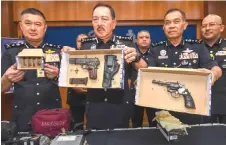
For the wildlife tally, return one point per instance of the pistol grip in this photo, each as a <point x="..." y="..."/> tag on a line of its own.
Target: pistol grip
<point x="92" y="73"/>
<point x="188" y="100"/>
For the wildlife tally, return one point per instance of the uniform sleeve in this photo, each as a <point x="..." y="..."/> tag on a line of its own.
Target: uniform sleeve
<point x="129" y="67"/>
<point x="152" y="57"/>
<point x="6" y="62"/>
<point x="205" y="59"/>
<point x="85" y="46"/>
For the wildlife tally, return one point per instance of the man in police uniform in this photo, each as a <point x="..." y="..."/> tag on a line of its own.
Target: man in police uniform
<point x="174" y="53"/>
<point x="143" y="42"/>
<point x="33" y="90"/>
<point x="110" y="108"/>
<point x="211" y="29"/>
<point x="76" y="96"/>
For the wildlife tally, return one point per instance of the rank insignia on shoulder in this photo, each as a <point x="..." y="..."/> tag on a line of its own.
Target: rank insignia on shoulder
<point x="14" y="45"/>
<point x="53" y="45"/>
<point x="159" y="43"/>
<point x="90" y="39"/>
<point x="130" y="38"/>
<point x="193" y="41"/>
<point x="49" y="51"/>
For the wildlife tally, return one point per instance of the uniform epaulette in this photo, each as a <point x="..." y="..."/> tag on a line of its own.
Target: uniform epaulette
<point x="193" y="41"/>
<point x="53" y="45"/>
<point x="90" y="39"/>
<point x="14" y="45"/>
<point x="158" y="43"/>
<point x="127" y="38"/>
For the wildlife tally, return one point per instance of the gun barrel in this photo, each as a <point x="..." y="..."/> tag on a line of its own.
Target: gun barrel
<point x="84" y="61"/>
<point x="160" y="83"/>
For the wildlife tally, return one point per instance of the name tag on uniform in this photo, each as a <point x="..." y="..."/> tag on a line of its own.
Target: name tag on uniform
<point x="40" y="73"/>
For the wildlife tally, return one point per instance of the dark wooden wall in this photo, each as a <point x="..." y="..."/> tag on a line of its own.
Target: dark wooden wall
<point x="219" y="8"/>
<point x="74" y="13"/>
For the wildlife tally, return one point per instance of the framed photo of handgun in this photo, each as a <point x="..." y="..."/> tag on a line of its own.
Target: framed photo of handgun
<point x="174" y="89"/>
<point x="100" y="68"/>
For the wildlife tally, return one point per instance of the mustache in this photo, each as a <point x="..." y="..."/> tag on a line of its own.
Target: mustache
<point x="100" y="28"/>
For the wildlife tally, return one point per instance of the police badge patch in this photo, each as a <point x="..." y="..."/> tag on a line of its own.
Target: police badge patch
<point x="163" y="55"/>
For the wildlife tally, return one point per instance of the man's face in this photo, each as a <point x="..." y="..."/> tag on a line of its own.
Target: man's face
<point x="103" y="24"/>
<point x="143" y="40"/>
<point x="174" y="25"/>
<point x="211" y="28"/>
<point x="33" y="27"/>
<point x="78" y="41"/>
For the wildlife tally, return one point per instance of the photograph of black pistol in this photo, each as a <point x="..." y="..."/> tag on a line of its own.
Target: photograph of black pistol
<point x="87" y="63"/>
<point x="176" y="89"/>
<point x="111" y="67"/>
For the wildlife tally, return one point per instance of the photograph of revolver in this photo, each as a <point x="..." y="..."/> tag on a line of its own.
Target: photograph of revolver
<point x="87" y="63"/>
<point x="176" y="89"/>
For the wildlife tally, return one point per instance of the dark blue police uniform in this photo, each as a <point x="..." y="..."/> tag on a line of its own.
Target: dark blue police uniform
<point x="77" y="105"/>
<point x="164" y="54"/>
<point x="32" y="93"/>
<point x="218" y="53"/>
<point x="138" y="113"/>
<point x="111" y="108"/>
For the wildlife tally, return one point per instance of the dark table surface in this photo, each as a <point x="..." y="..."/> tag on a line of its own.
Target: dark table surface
<point x="197" y="135"/>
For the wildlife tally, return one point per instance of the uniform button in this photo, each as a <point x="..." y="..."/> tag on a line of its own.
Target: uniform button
<point x="37" y="84"/>
<point x="105" y="99"/>
<point x="56" y="99"/>
<point x="15" y="106"/>
<point x="87" y="102"/>
<point x="69" y="92"/>
<point x="174" y="63"/>
<point x="37" y="93"/>
<point x="162" y="63"/>
<point x="176" y="52"/>
<point x="143" y="56"/>
<point x="38" y="103"/>
<point x="127" y="102"/>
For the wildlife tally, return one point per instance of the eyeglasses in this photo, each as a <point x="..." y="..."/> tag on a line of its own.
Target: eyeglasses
<point x="211" y="25"/>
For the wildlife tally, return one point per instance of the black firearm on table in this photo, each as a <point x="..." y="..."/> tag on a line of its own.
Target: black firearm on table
<point x="87" y="63"/>
<point x="176" y="89"/>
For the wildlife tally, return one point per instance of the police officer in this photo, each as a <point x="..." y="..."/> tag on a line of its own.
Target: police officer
<point x="33" y="90"/>
<point x="143" y="42"/>
<point x="77" y="96"/>
<point x="111" y="108"/>
<point x="173" y="53"/>
<point x="211" y="29"/>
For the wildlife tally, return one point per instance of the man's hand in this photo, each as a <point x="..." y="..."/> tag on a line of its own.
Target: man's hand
<point x="13" y="75"/>
<point x="51" y="72"/>
<point x="214" y="75"/>
<point x="130" y="54"/>
<point x="67" y="48"/>
<point x="80" y="90"/>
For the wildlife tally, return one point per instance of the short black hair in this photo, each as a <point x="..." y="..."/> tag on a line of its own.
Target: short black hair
<point x="33" y="11"/>
<point x="107" y="6"/>
<point x="178" y="10"/>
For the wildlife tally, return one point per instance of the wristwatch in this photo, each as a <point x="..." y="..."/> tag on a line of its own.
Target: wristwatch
<point x="137" y="58"/>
